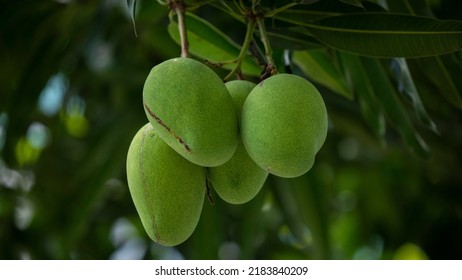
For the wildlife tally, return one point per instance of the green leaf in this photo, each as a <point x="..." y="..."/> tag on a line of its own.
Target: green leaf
<point x="209" y="43"/>
<point x="445" y="72"/>
<point x="293" y="38"/>
<point x="392" y="106"/>
<point x="388" y="35"/>
<point x="301" y="16"/>
<point x="407" y="87"/>
<point x="318" y="66"/>
<point x="356" y="3"/>
<point x="371" y="108"/>
<point x="131" y="4"/>
<point x="413" y="7"/>
<point x="323" y="9"/>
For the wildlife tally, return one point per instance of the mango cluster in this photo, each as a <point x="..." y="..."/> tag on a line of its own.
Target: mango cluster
<point x="230" y="134"/>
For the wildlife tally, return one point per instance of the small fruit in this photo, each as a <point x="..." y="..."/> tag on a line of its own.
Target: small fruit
<point x="284" y="124"/>
<point x="239" y="179"/>
<point x="191" y="110"/>
<point x="168" y="191"/>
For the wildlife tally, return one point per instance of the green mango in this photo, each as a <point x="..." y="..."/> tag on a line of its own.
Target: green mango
<point x="168" y="191"/>
<point x="239" y="179"/>
<point x="191" y="110"/>
<point x="284" y="124"/>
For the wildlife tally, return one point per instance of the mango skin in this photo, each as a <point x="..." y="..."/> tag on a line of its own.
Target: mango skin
<point x="239" y="179"/>
<point x="168" y="191"/>
<point x="191" y="110"/>
<point x="284" y="124"/>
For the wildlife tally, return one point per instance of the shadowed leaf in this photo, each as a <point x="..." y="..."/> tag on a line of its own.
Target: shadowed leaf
<point x="407" y="87"/>
<point x="393" y="108"/>
<point x="388" y="35"/>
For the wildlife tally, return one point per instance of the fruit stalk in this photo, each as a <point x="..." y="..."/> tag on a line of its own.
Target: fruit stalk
<point x="179" y="7"/>
<point x="271" y="66"/>
<point x="245" y="47"/>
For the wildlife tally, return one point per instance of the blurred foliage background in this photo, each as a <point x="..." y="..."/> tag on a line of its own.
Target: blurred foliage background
<point x="71" y="79"/>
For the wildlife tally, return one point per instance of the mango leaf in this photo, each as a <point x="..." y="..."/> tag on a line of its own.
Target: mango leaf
<point x="300" y="16"/>
<point x="293" y="38"/>
<point x="388" y="35"/>
<point x="131" y="4"/>
<point x="325" y="8"/>
<point x="407" y="87"/>
<point x="318" y="66"/>
<point x="413" y="7"/>
<point x="392" y="106"/>
<point x="371" y="108"/>
<point x="356" y="3"/>
<point x="209" y="43"/>
<point x="445" y="72"/>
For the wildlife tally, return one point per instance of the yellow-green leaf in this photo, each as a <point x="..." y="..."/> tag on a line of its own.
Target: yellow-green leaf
<point x="209" y="43"/>
<point x="319" y="67"/>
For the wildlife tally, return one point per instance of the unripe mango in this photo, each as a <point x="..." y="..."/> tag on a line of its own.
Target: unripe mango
<point x="284" y="124"/>
<point x="168" y="191"/>
<point x="239" y="179"/>
<point x="191" y="110"/>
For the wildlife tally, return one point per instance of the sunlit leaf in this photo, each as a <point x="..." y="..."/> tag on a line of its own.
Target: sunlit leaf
<point x="319" y="67"/>
<point x="388" y="35"/>
<point x="209" y="43"/>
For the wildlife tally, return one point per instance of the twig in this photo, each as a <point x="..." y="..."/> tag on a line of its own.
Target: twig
<point x="179" y="7"/>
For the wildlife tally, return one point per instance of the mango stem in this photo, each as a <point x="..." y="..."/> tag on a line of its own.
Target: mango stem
<point x="179" y="7"/>
<point x="245" y="47"/>
<point x="271" y="66"/>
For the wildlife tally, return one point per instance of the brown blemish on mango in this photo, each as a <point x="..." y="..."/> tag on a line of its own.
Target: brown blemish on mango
<point x="159" y="121"/>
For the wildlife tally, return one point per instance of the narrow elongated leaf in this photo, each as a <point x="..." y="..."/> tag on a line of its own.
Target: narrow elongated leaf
<point x="132" y="7"/>
<point x="392" y="106"/>
<point x="445" y="73"/>
<point x="208" y="42"/>
<point x="388" y="35"/>
<point x="319" y="67"/>
<point x="407" y="87"/>
<point x="371" y="108"/>
<point x="300" y="16"/>
<point x="293" y="38"/>
<point x="413" y="7"/>
<point x="356" y="3"/>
